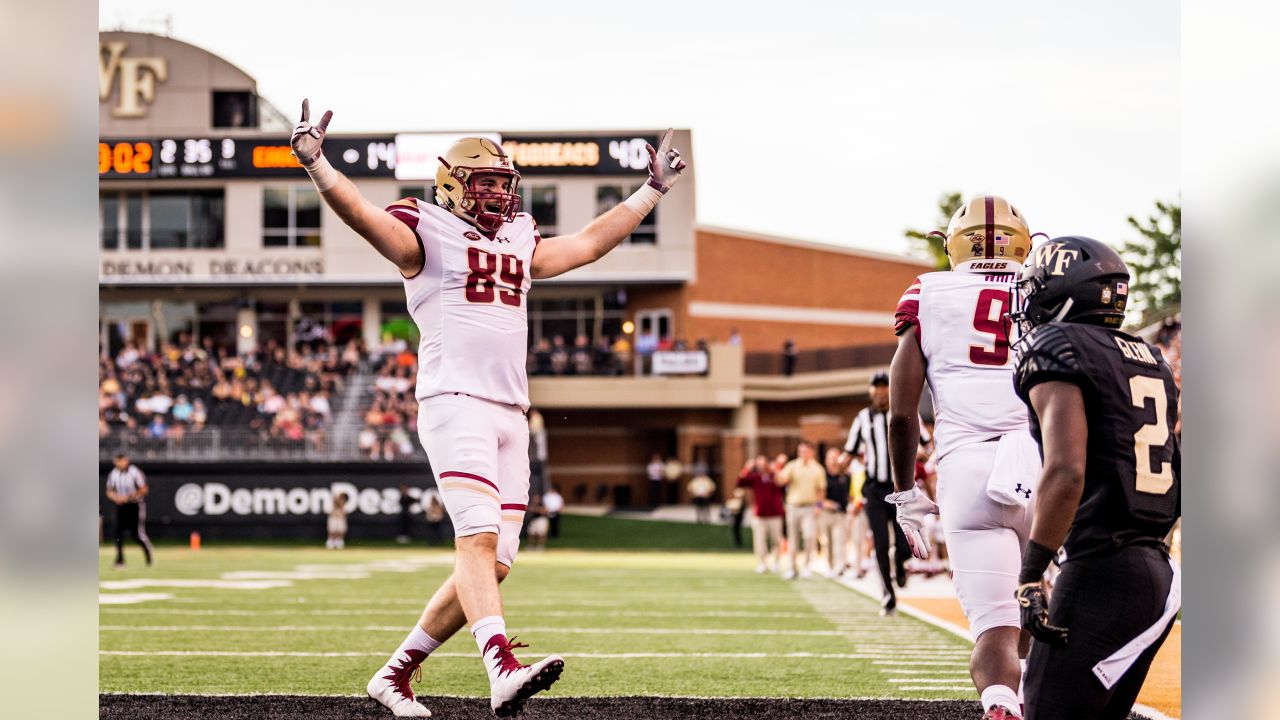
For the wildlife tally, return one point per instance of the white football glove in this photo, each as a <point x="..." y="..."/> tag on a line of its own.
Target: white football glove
<point x="913" y="505"/>
<point x="665" y="164"/>
<point x="307" y="138"/>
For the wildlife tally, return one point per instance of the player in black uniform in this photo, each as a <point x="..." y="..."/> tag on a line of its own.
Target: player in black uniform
<point x="1103" y="406"/>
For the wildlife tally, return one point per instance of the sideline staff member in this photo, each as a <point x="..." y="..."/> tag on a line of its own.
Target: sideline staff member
<point x="126" y="487"/>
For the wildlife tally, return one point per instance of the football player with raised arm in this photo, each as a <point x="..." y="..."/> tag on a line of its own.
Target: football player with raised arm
<point x="1103" y="406"/>
<point x="953" y="332"/>
<point x="467" y="263"/>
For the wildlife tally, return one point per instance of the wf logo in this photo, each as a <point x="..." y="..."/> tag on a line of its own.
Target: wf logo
<point x="138" y="78"/>
<point x="1026" y="493"/>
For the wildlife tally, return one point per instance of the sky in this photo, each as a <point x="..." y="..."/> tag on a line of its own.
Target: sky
<point x="836" y="122"/>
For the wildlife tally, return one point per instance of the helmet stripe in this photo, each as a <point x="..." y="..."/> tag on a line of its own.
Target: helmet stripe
<point x="989" y="206"/>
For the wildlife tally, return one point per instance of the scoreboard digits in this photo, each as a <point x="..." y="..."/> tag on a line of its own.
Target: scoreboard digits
<point x="125" y="159"/>
<point x="213" y="157"/>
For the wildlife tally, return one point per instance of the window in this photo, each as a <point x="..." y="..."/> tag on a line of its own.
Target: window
<point x="234" y="109"/>
<point x="594" y="316"/>
<point x="109" y="221"/>
<point x="169" y="220"/>
<point x="540" y="202"/>
<point x="420" y="192"/>
<point x="609" y="195"/>
<point x="290" y="216"/>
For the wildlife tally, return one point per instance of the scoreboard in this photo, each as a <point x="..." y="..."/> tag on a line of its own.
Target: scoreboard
<point x="359" y="156"/>
<point x="208" y="157"/>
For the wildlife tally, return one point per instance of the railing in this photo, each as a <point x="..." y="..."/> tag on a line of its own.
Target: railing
<point x="224" y="445"/>
<point x="840" y="358"/>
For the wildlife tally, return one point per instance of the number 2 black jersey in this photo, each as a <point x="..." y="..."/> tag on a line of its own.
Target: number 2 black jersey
<point x="1133" y="476"/>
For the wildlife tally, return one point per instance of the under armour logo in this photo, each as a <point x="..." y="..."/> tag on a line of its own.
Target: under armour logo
<point x="1025" y="493"/>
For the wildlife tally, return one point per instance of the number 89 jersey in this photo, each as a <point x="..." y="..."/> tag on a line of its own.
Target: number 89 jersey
<point x="469" y="302"/>
<point x="960" y="322"/>
<point x="1133" y="473"/>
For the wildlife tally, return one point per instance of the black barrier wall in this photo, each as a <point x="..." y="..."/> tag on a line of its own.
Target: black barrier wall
<point x="257" y="501"/>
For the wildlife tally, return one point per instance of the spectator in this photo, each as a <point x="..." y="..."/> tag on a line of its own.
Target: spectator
<point x="646" y="346"/>
<point x="767" y="508"/>
<point x="602" y="360"/>
<point x="735" y="338"/>
<point x="861" y="527"/>
<point x="734" y="508"/>
<point x="553" y="501"/>
<point x="559" y="356"/>
<point x="789" y="355"/>
<point x="806" y="482"/>
<point x="834" y="523"/>
<point x="337" y="523"/>
<point x="539" y="525"/>
<point x="701" y="488"/>
<point x="672" y="472"/>
<point x="655" y="472"/>
<point x="581" y="360"/>
<point x="622" y="354"/>
<point x="542" y="358"/>
<point x="537" y="452"/>
<point x="182" y="410"/>
<point x="435" y="517"/>
<point x="406" y="517"/>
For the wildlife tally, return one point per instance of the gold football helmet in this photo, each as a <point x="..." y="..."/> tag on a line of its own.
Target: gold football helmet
<point x="464" y="159"/>
<point x="987" y="227"/>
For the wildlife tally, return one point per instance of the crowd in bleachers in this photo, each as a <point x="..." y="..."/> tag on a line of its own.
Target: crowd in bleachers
<point x="280" y="396"/>
<point x="391" y="420"/>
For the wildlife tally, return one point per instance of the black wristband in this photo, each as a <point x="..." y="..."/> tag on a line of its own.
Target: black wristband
<point x="1035" y="560"/>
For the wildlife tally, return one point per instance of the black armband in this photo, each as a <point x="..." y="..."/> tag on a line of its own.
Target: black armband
<point x="1035" y="560"/>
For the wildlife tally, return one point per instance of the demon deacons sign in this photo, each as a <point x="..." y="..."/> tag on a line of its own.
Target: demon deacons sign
<point x="213" y="499"/>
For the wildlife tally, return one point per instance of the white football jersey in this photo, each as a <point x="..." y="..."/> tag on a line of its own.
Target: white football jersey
<point x="960" y="320"/>
<point x="470" y="302"/>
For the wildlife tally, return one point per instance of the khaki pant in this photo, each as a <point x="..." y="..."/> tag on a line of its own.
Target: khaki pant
<point x="802" y="525"/>
<point x="763" y="532"/>
<point x="859" y="535"/>
<point x="834" y="526"/>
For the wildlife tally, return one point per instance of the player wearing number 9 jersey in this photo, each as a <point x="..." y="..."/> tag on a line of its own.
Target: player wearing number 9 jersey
<point x="1103" y="404"/>
<point x="953" y="333"/>
<point x="467" y="263"/>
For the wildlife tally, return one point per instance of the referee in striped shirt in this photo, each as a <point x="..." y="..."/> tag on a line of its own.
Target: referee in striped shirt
<point x="126" y="487"/>
<point x="868" y="437"/>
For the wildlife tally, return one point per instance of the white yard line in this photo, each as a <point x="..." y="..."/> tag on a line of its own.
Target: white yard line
<point x="588" y="656"/>
<point x="401" y="628"/>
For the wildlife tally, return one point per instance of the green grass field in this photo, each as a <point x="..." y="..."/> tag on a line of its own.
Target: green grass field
<point x="698" y="624"/>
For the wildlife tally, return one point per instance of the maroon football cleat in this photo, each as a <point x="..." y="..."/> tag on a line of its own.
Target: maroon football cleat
<point x="390" y="686"/>
<point x="1000" y="712"/>
<point x="512" y="683"/>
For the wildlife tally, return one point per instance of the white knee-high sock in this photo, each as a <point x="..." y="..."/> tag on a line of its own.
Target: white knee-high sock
<point x="417" y="640"/>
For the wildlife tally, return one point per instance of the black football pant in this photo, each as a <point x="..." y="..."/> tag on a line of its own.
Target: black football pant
<point x="882" y="516"/>
<point x="132" y="518"/>
<point x="1104" y="602"/>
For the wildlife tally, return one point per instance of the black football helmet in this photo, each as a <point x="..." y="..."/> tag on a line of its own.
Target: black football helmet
<point x="1071" y="279"/>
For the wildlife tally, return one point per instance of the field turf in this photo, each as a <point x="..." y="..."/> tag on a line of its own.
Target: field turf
<point x="226" y="631"/>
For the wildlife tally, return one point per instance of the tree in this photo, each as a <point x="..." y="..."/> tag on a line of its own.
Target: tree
<point x="1155" y="262"/>
<point x="933" y="247"/>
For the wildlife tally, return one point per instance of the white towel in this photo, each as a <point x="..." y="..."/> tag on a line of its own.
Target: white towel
<point x="1016" y="470"/>
<point x="1114" y="666"/>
